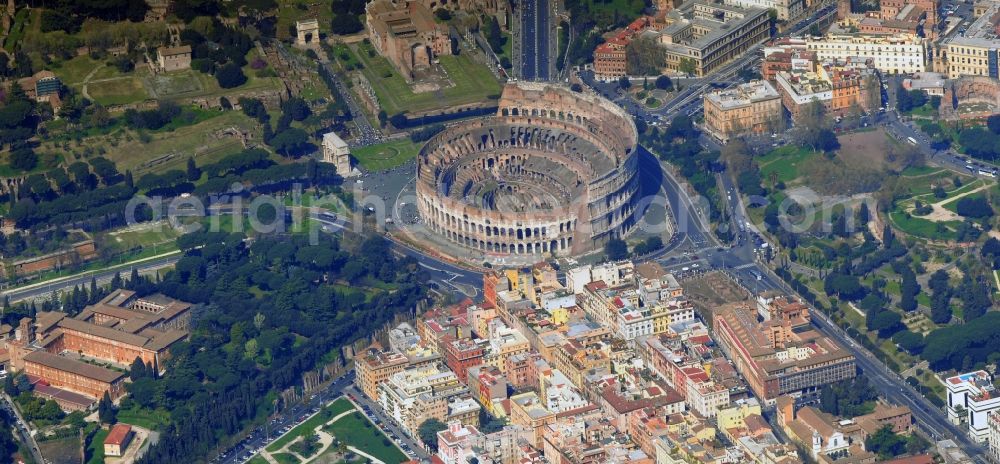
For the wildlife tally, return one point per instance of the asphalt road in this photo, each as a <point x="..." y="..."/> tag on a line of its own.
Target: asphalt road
<point x="529" y="10"/>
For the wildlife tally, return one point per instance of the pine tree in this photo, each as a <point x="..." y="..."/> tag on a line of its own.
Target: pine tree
<point x="887" y="236"/>
<point x="134" y="278"/>
<point x="138" y="370"/>
<point x="155" y="371"/>
<point x="9" y="387"/>
<point x="193" y="173"/>
<point x="106" y="410"/>
<point x="128" y="180"/>
<point x="94" y="292"/>
<point x="116" y="281"/>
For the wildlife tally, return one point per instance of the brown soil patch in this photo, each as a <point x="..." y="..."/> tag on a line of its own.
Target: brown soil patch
<point x="864" y="148"/>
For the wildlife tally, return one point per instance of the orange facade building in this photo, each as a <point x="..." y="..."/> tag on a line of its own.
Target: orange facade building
<point x="73" y="375"/>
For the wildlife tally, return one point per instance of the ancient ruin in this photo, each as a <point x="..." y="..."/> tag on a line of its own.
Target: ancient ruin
<point x="554" y="171"/>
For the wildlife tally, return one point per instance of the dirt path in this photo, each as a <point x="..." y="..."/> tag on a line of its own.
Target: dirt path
<point x="86" y="79"/>
<point x="941" y="214"/>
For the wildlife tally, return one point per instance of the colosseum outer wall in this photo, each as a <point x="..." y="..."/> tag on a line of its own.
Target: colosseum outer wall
<point x="573" y="152"/>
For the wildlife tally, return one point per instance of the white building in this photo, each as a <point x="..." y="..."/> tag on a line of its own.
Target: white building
<point x="556" y="299"/>
<point x="896" y="54"/>
<point x="971" y="398"/>
<point x="786" y="9"/>
<point x="706" y="397"/>
<point x="632" y="322"/>
<point x="994" y="437"/>
<point x="336" y="151"/>
<point x="559" y="393"/>
<point x="420" y="393"/>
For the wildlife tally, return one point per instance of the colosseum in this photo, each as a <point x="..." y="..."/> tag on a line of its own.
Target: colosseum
<point x="554" y="171"/>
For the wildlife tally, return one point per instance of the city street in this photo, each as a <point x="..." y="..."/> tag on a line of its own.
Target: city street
<point x="289" y="418"/>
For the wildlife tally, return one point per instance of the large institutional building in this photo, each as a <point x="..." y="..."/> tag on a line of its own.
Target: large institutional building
<point x="781" y="356"/>
<point x="701" y="36"/>
<point x="754" y="107"/>
<point x="977" y="51"/>
<point x="554" y="171"/>
<point x="119" y="329"/>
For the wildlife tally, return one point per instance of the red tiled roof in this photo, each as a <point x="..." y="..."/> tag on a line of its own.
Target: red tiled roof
<point x="118" y="434"/>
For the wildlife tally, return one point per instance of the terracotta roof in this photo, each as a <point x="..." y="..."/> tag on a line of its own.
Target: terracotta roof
<point x="118" y="434"/>
<point x="72" y="366"/>
<point x="104" y="332"/>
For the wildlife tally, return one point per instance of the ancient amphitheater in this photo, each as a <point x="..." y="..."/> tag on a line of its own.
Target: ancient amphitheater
<point x="554" y="171"/>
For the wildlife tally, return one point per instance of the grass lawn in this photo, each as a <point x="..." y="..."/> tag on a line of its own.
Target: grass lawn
<point x="356" y="431"/>
<point x="258" y="459"/>
<point x="144" y="237"/>
<point x="472" y="83"/>
<point x="784" y="162"/>
<point x="95" y="449"/>
<point x="16" y="29"/>
<point x="953" y="204"/>
<point x="153" y="420"/>
<point x="926" y="111"/>
<point x="170" y="150"/>
<point x="914" y="171"/>
<point x="311" y="423"/>
<point x="118" y="91"/>
<point x="922" y="227"/>
<point x="345" y="56"/>
<point x="73" y="71"/>
<point x="386" y="155"/>
<point x="285" y="458"/>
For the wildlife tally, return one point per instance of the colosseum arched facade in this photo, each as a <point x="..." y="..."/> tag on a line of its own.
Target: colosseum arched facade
<point x="554" y="171"/>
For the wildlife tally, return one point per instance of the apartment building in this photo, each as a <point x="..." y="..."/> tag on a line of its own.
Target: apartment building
<point x="488" y="385"/>
<point x="839" y="89"/>
<point x="462" y="354"/>
<point x="890" y="54"/>
<point x="971" y="399"/>
<point x="504" y="342"/>
<point x="376" y="367"/>
<point x="528" y="410"/>
<point x="459" y="444"/>
<point x="993" y="420"/>
<point x="750" y="108"/>
<point x="700" y="36"/>
<point x="419" y="393"/>
<point x="610" y="58"/>
<point x="704" y="395"/>
<point x="785" y="9"/>
<point x="776" y="360"/>
<point x="559" y="393"/>
<point x="977" y="52"/>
